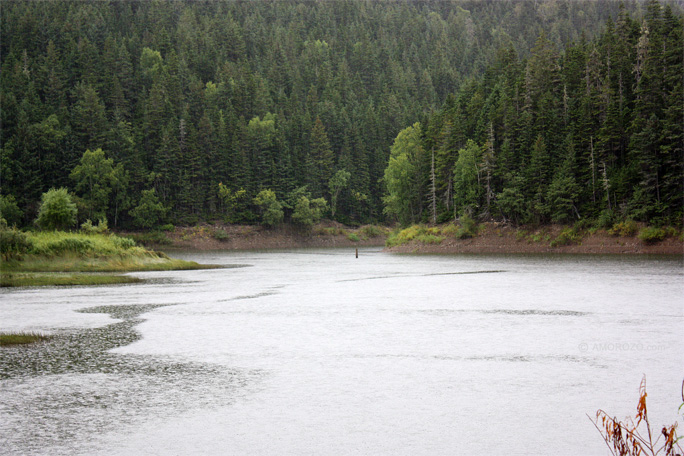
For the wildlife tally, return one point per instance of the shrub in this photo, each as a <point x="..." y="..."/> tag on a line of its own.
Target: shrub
<point x="153" y="237"/>
<point x="353" y="237"/>
<point x="450" y="230"/>
<point x="651" y="235"/>
<point x="405" y="235"/>
<point x="122" y="242"/>
<point x="75" y="245"/>
<point x="429" y="238"/>
<point x="10" y="211"/>
<point x="221" y="235"/>
<point x="467" y="229"/>
<point x="372" y="231"/>
<point x="101" y="227"/>
<point x="167" y="227"/>
<point x="583" y="224"/>
<point x="626" y="228"/>
<point x="57" y="210"/>
<point x="271" y="209"/>
<point x="605" y="219"/>
<point x="13" y="243"/>
<point x="149" y="211"/>
<point x="566" y="237"/>
<point x="61" y="243"/>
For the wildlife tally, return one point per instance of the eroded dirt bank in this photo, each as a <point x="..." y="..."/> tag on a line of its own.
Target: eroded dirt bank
<point x="494" y="238"/>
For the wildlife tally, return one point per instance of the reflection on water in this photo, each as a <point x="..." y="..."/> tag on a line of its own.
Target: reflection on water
<point x="318" y="352"/>
<point x="69" y="388"/>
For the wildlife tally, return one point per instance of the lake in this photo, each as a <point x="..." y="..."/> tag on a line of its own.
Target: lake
<point x="318" y="352"/>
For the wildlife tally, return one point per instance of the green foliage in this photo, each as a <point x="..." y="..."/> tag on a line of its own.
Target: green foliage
<point x="221" y="235"/>
<point x="337" y="183"/>
<point x="416" y="233"/>
<point x="651" y="235"/>
<point x="401" y="179"/>
<point x="150" y="211"/>
<point x="567" y="236"/>
<point x="167" y="227"/>
<point x="450" y="230"/>
<point x="606" y="219"/>
<point x="468" y="227"/>
<point x="59" y="243"/>
<point x="467" y="190"/>
<point x="234" y="202"/>
<point x="10" y="211"/>
<point x="94" y="176"/>
<point x="271" y="209"/>
<point x="123" y="243"/>
<point x="372" y="231"/>
<point x="353" y="237"/>
<point x="13" y="243"/>
<point x="101" y="227"/>
<point x="61" y="279"/>
<point x="151" y="238"/>
<point x="429" y="239"/>
<point x="625" y="229"/>
<point x="258" y="95"/>
<point x="307" y="213"/>
<point x="404" y="236"/>
<point x="57" y="211"/>
<point x="21" y="338"/>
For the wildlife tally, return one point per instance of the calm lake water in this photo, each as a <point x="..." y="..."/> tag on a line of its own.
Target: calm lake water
<point x="317" y="352"/>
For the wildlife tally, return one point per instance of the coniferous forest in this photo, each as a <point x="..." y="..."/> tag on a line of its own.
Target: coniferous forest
<point x="181" y="111"/>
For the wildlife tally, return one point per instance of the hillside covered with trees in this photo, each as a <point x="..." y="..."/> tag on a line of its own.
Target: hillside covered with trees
<point x="595" y="131"/>
<point x="156" y="112"/>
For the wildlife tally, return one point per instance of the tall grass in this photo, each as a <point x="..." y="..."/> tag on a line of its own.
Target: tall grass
<point x="59" y="251"/>
<point x="21" y="338"/>
<point x="56" y="279"/>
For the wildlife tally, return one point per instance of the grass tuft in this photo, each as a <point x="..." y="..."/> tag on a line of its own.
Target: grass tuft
<point x="7" y="339"/>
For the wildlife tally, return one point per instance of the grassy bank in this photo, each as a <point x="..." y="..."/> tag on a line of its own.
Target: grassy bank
<point x="41" y="258"/>
<point x="7" y="339"/>
<point x="59" y="279"/>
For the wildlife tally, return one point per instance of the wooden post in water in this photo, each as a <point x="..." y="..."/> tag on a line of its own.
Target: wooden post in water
<point x="357" y="252"/>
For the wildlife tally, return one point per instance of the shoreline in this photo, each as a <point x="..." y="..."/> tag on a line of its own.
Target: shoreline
<point x="491" y="238"/>
<point x="495" y="238"/>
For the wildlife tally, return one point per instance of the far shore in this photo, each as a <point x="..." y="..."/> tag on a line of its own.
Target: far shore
<point x="491" y="238"/>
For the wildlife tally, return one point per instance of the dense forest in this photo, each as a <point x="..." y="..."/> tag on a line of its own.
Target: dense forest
<point x="160" y="111"/>
<point x="595" y="132"/>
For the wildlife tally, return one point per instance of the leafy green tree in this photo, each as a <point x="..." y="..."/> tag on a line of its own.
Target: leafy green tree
<point x="402" y="200"/>
<point x="271" y="209"/>
<point x="467" y="188"/>
<point x="149" y="212"/>
<point x="94" y="177"/>
<point x="308" y="212"/>
<point x="234" y="202"/>
<point x="57" y="210"/>
<point x="9" y="210"/>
